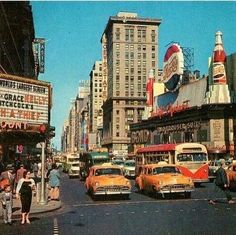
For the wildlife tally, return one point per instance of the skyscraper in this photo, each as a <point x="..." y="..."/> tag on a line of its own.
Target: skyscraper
<point x="131" y="45"/>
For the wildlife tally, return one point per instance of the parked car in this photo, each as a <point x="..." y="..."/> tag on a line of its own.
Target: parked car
<point x="74" y="170"/>
<point x="129" y="168"/>
<point x="107" y="180"/>
<point x="164" y="179"/>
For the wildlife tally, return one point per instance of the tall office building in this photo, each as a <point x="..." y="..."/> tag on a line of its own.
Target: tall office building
<point x="96" y="98"/>
<point x="131" y="45"/>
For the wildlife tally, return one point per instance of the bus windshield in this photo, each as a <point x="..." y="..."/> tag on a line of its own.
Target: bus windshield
<point x="73" y="159"/>
<point x="100" y="161"/>
<point x="191" y="157"/>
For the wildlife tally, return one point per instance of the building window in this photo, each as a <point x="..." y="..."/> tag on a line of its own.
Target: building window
<point x="117" y="134"/>
<point x="131" y="47"/>
<point x="117" y="46"/>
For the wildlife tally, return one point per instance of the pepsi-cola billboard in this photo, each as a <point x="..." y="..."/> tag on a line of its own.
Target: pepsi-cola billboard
<point x="173" y="67"/>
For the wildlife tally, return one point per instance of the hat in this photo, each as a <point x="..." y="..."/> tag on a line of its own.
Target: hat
<point x="222" y="161"/>
<point x="9" y="167"/>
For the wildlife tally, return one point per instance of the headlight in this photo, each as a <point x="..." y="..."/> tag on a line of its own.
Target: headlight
<point x="127" y="182"/>
<point x="96" y="184"/>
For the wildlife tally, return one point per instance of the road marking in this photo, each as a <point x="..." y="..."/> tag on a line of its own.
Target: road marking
<point x="55" y="227"/>
<point x="102" y="203"/>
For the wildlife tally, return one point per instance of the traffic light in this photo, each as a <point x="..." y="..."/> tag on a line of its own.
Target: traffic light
<point x="51" y="132"/>
<point x="42" y="131"/>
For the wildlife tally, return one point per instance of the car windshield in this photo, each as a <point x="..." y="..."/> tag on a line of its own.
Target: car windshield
<point x="108" y="171"/>
<point x="166" y="169"/>
<point x="129" y="163"/>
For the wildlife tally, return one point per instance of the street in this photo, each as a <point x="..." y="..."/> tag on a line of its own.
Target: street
<point x="141" y="214"/>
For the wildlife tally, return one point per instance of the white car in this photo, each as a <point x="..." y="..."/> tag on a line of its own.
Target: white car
<point x="129" y="168"/>
<point x="74" y="170"/>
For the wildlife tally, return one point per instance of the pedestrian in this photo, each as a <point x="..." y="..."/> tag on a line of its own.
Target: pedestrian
<point x="24" y="189"/>
<point x="35" y="169"/>
<point x="8" y="176"/>
<point x="7" y="202"/>
<point x="54" y="183"/>
<point x="19" y="174"/>
<point x="221" y="184"/>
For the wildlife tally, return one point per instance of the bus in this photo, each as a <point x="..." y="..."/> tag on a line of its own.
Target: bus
<point x="191" y="159"/>
<point x="68" y="160"/>
<point x="88" y="159"/>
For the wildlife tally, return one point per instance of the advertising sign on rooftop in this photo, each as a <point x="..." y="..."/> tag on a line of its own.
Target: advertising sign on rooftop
<point x="23" y="101"/>
<point x="173" y="67"/>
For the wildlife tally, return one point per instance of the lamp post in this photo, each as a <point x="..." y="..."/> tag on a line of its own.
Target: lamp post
<point x="42" y="192"/>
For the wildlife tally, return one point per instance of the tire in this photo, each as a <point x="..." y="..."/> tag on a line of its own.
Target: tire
<point x="187" y="195"/>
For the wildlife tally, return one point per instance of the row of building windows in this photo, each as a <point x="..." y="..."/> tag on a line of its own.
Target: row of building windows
<point x="130" y="32"/>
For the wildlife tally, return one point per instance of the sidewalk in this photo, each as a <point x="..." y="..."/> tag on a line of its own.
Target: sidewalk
<point x="35" y="207"/>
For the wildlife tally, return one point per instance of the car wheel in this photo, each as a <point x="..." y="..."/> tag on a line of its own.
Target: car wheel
<point x="187" y="195"/>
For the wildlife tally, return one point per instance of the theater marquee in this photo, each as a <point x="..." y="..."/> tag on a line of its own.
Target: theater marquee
<point x="23" y="102"/>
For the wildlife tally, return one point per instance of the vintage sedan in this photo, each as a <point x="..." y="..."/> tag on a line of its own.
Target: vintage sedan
<point x="107" y="180"/>
<point x="231" y="173"/>
<point x="162" y="179"/>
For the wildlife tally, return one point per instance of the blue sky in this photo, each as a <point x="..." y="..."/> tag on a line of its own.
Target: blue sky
<point x="73" y="31"/>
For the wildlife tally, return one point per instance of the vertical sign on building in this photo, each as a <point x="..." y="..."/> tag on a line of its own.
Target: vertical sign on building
<point x="39" y="54"/>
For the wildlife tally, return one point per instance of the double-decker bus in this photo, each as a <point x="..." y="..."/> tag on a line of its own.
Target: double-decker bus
<point x="191" y="159"/>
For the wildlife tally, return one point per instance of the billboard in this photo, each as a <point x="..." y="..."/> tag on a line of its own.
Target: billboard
<point x="173" y="67"/>
<point x="23" y="102"/>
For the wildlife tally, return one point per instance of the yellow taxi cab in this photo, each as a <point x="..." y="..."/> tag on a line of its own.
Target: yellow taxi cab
<point x="107" y="180"/>
<point x="164" y="179"/>
<point x="231" y="173"/>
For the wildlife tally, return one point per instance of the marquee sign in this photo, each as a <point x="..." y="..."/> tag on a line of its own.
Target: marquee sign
<point x="173" y="67"/>
<point x="23" y="102"/>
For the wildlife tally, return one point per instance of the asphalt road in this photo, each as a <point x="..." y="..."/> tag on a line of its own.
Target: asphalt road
<point x="141" y="214"/>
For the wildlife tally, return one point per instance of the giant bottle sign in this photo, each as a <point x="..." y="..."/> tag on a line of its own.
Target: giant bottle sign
<point x="173" y="67"/>
<point x="149" y="88"/>
<point x="219" y="58"/>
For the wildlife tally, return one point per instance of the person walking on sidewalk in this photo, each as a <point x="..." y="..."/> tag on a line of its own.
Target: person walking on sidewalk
<point x="222" y="184"/>
<point x="19" y="175"/>
<point x="7" y="202"/>
<point x="54" y="182"/>
<point x="24" y="189"/>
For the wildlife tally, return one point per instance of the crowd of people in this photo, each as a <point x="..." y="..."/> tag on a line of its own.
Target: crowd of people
<point x="19" y="180"/>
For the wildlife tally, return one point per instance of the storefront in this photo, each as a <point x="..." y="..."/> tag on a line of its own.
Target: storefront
<point x="25" y="106"/>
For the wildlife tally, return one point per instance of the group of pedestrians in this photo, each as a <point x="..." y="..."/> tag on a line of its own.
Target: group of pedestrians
<point x="23" y="192"/>
<point x="22" y="185"/>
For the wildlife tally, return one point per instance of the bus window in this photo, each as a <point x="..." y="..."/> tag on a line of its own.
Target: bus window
<point x="199" y="157"/>
<point x="184" y="158"/>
